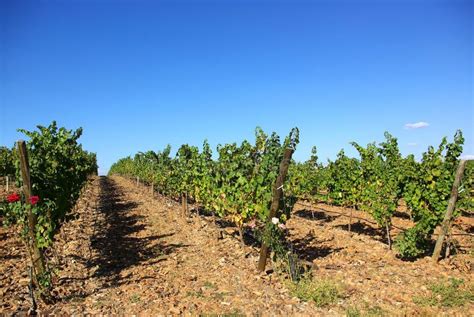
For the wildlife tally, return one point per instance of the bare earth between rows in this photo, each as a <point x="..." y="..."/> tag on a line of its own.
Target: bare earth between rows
<point x="128" y="253"/>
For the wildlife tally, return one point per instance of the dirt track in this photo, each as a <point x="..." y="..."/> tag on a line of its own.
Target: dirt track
<point x="136" y="254"/>
<point x="129" y="253"/>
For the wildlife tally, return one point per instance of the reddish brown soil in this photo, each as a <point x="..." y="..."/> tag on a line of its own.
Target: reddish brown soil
<point x="362" y="261"/>
<point x="127" y="253"/>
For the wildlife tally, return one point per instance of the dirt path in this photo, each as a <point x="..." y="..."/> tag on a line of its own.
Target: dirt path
<point x="128" y="253"/>
<point x="198" y="270"/>
<point x="151" y="259"/>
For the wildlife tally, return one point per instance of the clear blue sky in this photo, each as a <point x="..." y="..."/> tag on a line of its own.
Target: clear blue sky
<point x="137" y="75"/>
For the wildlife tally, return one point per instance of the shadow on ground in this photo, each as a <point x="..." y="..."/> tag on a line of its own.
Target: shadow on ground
<point x="116" y="247"/>
<point x="364" y="229"/>
<point x="315" y="215"/>
<point x="402" y="215"/>
<point x="309" y="249"/>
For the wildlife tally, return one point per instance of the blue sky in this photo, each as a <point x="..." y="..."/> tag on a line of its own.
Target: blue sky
<point x="137" y="75"/>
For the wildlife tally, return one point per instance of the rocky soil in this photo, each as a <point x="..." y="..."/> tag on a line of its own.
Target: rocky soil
<point x="130" y="252"/>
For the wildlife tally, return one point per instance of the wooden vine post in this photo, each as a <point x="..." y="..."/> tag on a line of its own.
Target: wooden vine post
<point x="37" y="257"/>
<point x="186" y="198"/>
<point x="446" y="224"/>
<point x="350" y="219"/>
<point x="276" y="198"/>
<point x="184" y="203"/>
<point x="389" y="237"/>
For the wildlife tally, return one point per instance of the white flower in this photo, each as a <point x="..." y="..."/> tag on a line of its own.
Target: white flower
<point x="252" y="224"/>
<point x="275" y="220"/>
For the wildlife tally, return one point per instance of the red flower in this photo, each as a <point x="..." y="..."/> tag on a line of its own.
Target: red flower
<point x="34" y="200"/>
<point x="13" y="198"/>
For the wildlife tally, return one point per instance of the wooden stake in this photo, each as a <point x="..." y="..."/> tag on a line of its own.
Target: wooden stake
<point x="36" y="254"/>
<point x="186" y="210"/>
<point x="31" y="292"/>
<point x="7" y="181"/>
<point x="389" y="238"/>
<point x="241" y="235"/>
<point x="350" y="219"/>
<point x="446" y="224"/>
<point x="276" y="197"/>
<point x="183" y="203"/>
<point x="448" y="247"/>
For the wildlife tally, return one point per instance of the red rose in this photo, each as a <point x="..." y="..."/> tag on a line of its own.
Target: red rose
<point x="13" y="198"/>
<point x="34" y="200"/>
